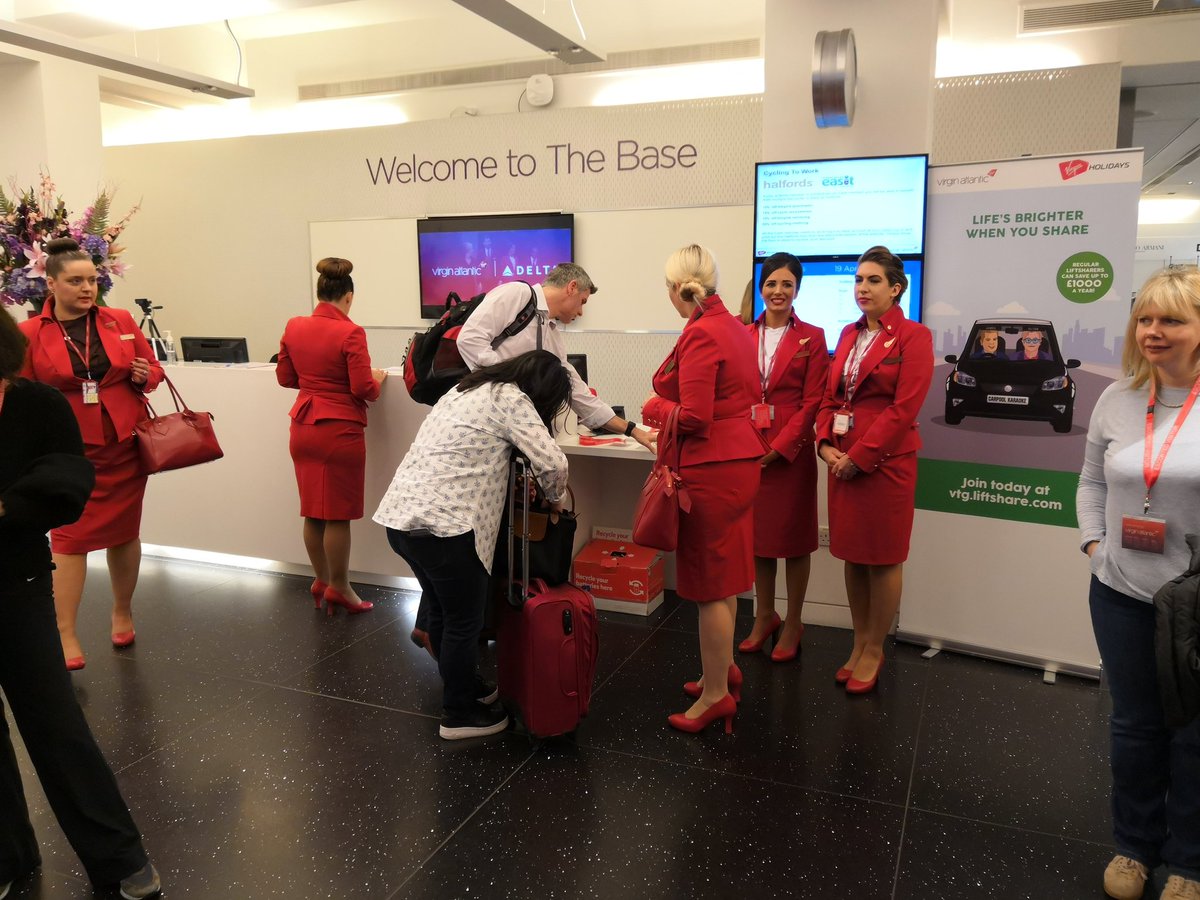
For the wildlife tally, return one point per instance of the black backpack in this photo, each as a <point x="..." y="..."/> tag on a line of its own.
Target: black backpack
<point x="432" y="364"/>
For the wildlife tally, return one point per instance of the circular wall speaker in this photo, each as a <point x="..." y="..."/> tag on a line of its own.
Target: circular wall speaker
<point x="835" y="78"/>
<point x="539" y="90"/>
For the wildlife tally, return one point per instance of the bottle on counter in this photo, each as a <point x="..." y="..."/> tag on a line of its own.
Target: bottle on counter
<point x="169" y="347"/>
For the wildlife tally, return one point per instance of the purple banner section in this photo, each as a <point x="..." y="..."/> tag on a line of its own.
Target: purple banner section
<point x="472" y="262"/>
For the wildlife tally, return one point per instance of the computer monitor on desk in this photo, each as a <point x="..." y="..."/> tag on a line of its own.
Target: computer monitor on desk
<point x="215" y="349"/>
<point x="579" y="362"/>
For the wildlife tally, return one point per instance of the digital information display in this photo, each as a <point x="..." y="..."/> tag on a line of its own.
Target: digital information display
<point x="840" y="207"/>
<point x="826" y="295"/>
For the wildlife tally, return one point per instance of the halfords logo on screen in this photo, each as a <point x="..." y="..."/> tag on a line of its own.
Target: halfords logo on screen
<point x="982" y="178"/>
<point x="1073" y="167"/>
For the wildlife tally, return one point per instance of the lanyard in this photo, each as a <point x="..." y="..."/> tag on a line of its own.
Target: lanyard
<point x="765" y="365"/>
<point x="86" y="356"/>
<point x="854" y="362"/>
<point x="1151" y="470"/>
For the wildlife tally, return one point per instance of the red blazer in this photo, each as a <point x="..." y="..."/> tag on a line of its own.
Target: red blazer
<point x="49" y="361"/>
<point x="892" y="383"/>
<point x="712" y="377"/>
<point x="796" y="385"/>
<point x="325" y="356"/>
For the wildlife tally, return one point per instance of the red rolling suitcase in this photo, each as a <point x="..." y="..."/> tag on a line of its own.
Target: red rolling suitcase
<point x="546" y="644"/>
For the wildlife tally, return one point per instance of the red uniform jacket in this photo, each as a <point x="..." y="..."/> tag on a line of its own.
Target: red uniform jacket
<point x="49" y="361"/>
<point x="893" y="380"/>
<point x="712" y="377"/>
<point x="325" y="356"/>
<point x="795" y="386"/>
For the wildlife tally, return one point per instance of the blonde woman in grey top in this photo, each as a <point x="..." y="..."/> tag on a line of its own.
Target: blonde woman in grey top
<point x="1139" y="494"/>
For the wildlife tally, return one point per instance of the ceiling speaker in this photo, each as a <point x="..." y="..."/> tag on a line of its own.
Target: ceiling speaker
<point x="539" y="90"/>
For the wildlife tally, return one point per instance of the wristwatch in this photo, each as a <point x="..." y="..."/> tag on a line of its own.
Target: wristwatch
<point x="629" y="426"/>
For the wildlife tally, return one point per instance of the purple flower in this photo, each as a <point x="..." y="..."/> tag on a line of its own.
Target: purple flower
<point x="95" y="246"/>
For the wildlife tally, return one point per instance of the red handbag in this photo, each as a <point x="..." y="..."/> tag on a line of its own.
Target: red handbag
<point x="656" y="520"/>
<point x="177" y="440"/>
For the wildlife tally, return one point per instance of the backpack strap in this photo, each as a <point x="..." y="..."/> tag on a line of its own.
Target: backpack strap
<point x="527" y="314"/>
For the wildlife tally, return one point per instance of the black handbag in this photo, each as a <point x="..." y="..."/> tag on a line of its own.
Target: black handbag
<point x="551" y="538"/>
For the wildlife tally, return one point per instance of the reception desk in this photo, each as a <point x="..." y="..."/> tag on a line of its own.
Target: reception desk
<point x="246" y="504"/>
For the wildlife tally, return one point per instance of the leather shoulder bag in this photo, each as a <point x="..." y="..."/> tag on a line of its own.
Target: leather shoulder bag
<point x="177" y="440"/>
<point x="656" y="521"/>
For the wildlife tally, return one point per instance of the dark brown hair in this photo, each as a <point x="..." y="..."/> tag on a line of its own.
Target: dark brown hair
<point x="335" y="281"/>
<point x="12" y="346"/>
<point x="777" y="261"/>
<point x="892" y="265"/>
<point x="539" y="373"/>
<point x="61" y="251"/>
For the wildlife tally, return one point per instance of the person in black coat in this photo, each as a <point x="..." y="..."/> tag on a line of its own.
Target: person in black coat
<point x="45" y="481"/>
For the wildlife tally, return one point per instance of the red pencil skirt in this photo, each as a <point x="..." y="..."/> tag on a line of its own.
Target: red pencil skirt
<point x="330" y="456"/>
<point x="715" y="558"/>
<point x="785" y="511"/>
<point x="113" y="515"/>
<point x="871" y="515"/>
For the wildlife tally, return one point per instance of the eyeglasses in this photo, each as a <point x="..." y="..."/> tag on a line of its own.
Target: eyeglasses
<point x="1030" y="341"/>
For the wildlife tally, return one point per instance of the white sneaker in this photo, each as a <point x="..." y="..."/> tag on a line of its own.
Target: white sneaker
<point x="4" y="890"/>
<point x="1125" y="878"/>
<point x="1178" y="888"/>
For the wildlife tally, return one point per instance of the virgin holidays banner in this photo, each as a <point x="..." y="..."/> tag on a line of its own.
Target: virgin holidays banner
<point x="1029" y="283"/>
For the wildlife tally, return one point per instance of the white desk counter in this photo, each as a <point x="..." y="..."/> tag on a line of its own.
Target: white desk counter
<point x="247" y="505"/>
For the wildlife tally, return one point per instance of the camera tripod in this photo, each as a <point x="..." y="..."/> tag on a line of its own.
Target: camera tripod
<point x="157" y="341"/>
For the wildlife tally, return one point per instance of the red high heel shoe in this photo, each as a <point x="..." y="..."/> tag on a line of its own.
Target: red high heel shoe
<point x="841" y="676"/>
<point x="694" y="688"/>
<point x="318" y="589"/>
<point x="749" y="646"/>
<point x="854" y="686"/>
<point x="123" y="639"/>
<point x="725" y="708"/>
<point x="75" y="663"/>
<point x="336" y="598"/>
<point x="780" y="655"/>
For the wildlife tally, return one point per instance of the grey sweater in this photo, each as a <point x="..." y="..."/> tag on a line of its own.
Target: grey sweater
<point x="1112" y="485"/>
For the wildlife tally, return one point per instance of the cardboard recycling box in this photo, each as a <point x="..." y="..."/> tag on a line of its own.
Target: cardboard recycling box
<point x="621" y="575"/>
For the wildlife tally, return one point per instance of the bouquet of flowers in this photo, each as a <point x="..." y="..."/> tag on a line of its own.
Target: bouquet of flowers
<point x="29" y="219"/>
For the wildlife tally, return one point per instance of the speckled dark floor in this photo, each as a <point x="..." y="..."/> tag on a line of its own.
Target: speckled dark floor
<point x="267" y="751"/>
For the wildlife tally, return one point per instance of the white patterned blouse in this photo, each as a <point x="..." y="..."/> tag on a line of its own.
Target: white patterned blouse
<point x="454" y="478"/>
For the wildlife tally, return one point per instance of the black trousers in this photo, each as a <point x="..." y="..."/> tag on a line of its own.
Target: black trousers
<point x="78" y="782"/>
<point x="454" y="587"/>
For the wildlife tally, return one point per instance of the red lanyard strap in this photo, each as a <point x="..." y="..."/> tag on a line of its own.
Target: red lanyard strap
<point x="1151" y="470"/>
<point x="86" y="356"/>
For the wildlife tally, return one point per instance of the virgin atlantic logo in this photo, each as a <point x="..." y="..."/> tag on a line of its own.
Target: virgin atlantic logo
<point x="1072" y="167"/>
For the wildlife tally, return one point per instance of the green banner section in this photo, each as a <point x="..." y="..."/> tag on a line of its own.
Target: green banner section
<point x="997" y="492"/>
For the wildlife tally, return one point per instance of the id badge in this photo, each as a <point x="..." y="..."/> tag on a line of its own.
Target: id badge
<point x="843" y="422"/>
<point x="761" y="415"/>
<point x="1144" y="533"/>
<point x="91" y="392"/>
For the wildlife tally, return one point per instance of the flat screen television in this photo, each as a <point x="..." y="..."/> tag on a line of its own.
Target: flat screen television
<point x="826" y="295"/>
<point x="215" y="349"/>
<point x="472" y="254"/>
<point x="840" y="207"/>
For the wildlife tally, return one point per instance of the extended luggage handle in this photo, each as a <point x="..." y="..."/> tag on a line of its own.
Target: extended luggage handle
<point x="514" y="598"/>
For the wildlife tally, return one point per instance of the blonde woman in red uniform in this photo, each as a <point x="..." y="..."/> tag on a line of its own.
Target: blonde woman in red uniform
<point x="325" y="356"/>
<point x="793" y="365"/>
<point x="710" y="378"/>
<point x="99" y="359"/>
<point x="867" y="435"/>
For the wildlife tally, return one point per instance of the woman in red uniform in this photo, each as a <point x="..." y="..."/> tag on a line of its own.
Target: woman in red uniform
<point x="325" y="356"/>
<point x="101" y="362"/>
<point x="867" y="435"/>
<point x="793" y="365"/>
<point x="710" y="378"/>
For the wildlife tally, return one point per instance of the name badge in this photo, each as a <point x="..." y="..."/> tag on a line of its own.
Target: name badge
<point x="127" y="337"/>
<point x="91" y="392"/>
<point x="761" y="415"/>
<point x="843" y="422"/>
<point x="1144" y="533"/>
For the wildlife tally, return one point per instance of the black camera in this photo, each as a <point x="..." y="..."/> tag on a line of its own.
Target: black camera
<point x="146" y="305"/>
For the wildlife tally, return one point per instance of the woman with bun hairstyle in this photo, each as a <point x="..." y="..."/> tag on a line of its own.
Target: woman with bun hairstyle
<point x="867" y="435"/>
<point x="793" y="365"/>
<point x="710" y="378"/>
<point x="325" y="356"/>
<point x="99" y="359"/>
<point x="45" y="482"/>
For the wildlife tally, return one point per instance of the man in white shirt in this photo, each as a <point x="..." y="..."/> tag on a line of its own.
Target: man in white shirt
<point x="560" y="300"/>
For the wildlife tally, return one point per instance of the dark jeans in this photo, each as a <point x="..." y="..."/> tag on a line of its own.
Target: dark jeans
<point x="454" y="587"/>
<point x="1156" y="771"/>
<point x="78" y="782"/>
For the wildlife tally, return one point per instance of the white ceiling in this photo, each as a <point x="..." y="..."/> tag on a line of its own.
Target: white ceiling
<point x="288" y="43"/>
